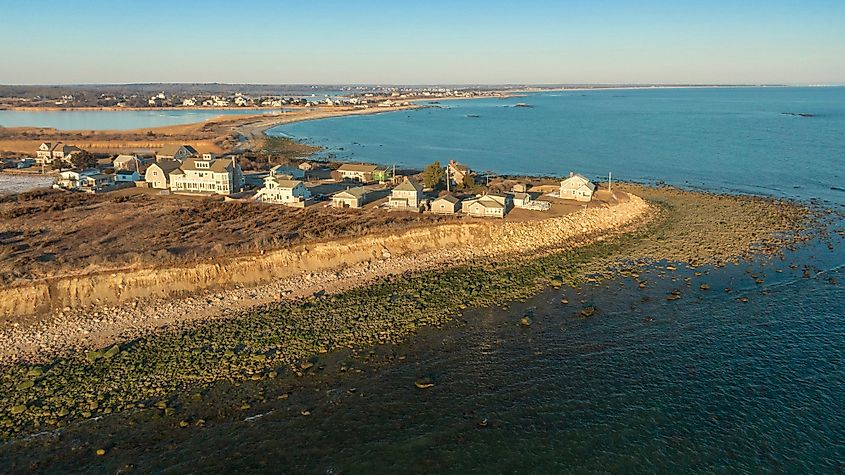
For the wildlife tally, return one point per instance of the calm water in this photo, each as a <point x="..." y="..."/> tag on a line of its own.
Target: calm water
<point x="111" y="120"/>
<point x="733" y="139"/>
<point x="704" y="384"/>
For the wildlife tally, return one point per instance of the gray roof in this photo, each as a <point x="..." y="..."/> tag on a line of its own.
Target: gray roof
<point x="450" y="198"/>
<point x="353" y="167"/>
<point x="352" y="193"/>
<point x="409" y="184"/>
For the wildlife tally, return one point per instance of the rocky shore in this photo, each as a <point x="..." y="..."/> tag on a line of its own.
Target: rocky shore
<point x="261" y="342"/>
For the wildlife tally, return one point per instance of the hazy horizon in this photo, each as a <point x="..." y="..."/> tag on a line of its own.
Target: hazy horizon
<point x="376" y="42"/>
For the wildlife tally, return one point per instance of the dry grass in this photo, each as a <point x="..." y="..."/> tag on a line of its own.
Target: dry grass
<point x="52" y="233"/>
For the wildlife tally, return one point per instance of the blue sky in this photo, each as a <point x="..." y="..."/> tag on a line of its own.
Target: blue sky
<point x="430" y="42"/>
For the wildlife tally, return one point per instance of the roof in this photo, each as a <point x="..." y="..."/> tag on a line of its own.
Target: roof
<point x="98" y="176"/>
<point x="487" y="201"/>
<point x="287" y="183"/>
<point x="171" y="150"/>
<point x="576" y="179"/>
<point x="353" y="193"/>
<point x="353" y="167"/>
<point x="521" y="196"/>
<point x="125" y="172"/>
<point x="409" y="184"/>
<point x="217" y="165"/>
<point x="167" y="166"/>
<point x="450" y="198"/>
<point x="124" y="158"/>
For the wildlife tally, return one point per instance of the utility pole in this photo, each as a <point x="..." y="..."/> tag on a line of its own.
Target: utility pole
<point x="448" y="180"/>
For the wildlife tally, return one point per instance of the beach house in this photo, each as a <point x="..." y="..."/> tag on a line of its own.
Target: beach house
<point x="72" y="179"/>
<point x="446" y="204"/>
<point x="288" y="171"/>
<point x="487" y="206"/>
<point x="360" y="172"/>
<point x="48" y="153"/>
<point x="407" y="195"/>
<point x="577" y="187"/>
<point x="207" y="175"/>
<point x="459" y="174"/>
<point x="350" y="198"/>
<point x="158" y="174"/>
<point x="176" y="152"/>
<point x="280" y="190"/>
<point x="126" y="176"/>
<point x="131" y="162"/>
<point x="95" y="182"/>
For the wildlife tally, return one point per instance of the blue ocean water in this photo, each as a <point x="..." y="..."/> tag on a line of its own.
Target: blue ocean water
<point x="111" y="120"/>
<point x="722" y="139"/>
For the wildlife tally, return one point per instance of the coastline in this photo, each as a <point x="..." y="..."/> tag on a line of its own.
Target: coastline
<point x="261" y="342"/>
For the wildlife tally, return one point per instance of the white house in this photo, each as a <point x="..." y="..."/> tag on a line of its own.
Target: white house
<point x="48" y="152"/>
<point x="130" y="162"/>
<point x="486" y="206"/>
<point x="577" y="187"/>
<point x="360" y="172"/>
<point x="72" y="179"/>
<point x="280" y="190"/>
<point x="407" y="195"/>
<point x="207" y="175"/>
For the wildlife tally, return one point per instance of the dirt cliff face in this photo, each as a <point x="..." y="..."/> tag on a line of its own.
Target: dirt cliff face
<point x="459" y="240"/>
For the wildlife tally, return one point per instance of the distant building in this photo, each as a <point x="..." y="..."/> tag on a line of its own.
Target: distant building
<point x="521" y="200"/>
<point x="289" y="171"/>
<point x="126" y="176"/>
<point x="158" y="174"/>
<point x="486" y="206"/>
<point x="459" y="173"/>
<point x="351" y="198"/>
<point x="352" y="171"/>
<point x="279" y="190"/>
<point x="95" y="182"/>
<point x="577" y="187"/>
<point x="383" y="175"/>
<point x="306" y="166"/>
<point x="176" y="152"/>
<point x="72" y="179"/>
<point x="48" y="153"/>
<point x="446" y="204"/>
<point x="407" y="195"/>
<point x="131" y="162"/>
<point x="207" y="175"/>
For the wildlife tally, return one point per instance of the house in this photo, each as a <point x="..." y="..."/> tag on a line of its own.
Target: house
<point x="48" y="153"/>
<point x="127" y="176"/>
<point x="446" y="204"/>
<point x="407" y="195"/>
<point x="280" y="190"/>
<point x="352" y="171"/>
<point x="207" y="175"/>
<point x="289" y="171"/>
<point x="95" y="182"/>
<point x="130" y="162"/>
<point x="350" y="198"/>
<point x="306" y="166"/>
<point x="487" y="206"/>
<point x="577" y="188"/>
<point x="176" y="152"/>
<point x="382" y="175"/>
<point x="72" y="179"/>
<point x="460" y="174"/>
<point x="158" y="174"/>
<point x="521" y="200"/>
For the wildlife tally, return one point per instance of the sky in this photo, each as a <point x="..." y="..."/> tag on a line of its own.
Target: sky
<point x="423" y="42"/>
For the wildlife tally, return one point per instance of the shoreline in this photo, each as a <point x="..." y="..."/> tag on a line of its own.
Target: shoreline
<point x="263" y="341"/>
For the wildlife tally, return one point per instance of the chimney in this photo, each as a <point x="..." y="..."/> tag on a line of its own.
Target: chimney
<point x="571" y="174"/>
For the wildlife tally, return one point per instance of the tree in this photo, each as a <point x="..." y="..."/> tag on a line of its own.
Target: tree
<point x="83" y="160"/>
<point x="433" y="176"/>
<point x="468" y="183"/>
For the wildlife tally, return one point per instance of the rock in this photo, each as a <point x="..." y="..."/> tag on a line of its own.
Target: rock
<point x="424" y="383"/>
<point x="587" y="312"/>
<point x="704" y="286"/>
<point x="19" y="409"/>
<point x="525" y="321"/>
<point x="101" y="452"/>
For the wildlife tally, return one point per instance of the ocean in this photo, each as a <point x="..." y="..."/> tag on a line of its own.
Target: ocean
<point x="705" y="384"/>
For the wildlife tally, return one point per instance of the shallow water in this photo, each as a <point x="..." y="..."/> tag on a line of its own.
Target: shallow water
<point x="112" y="120"/>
